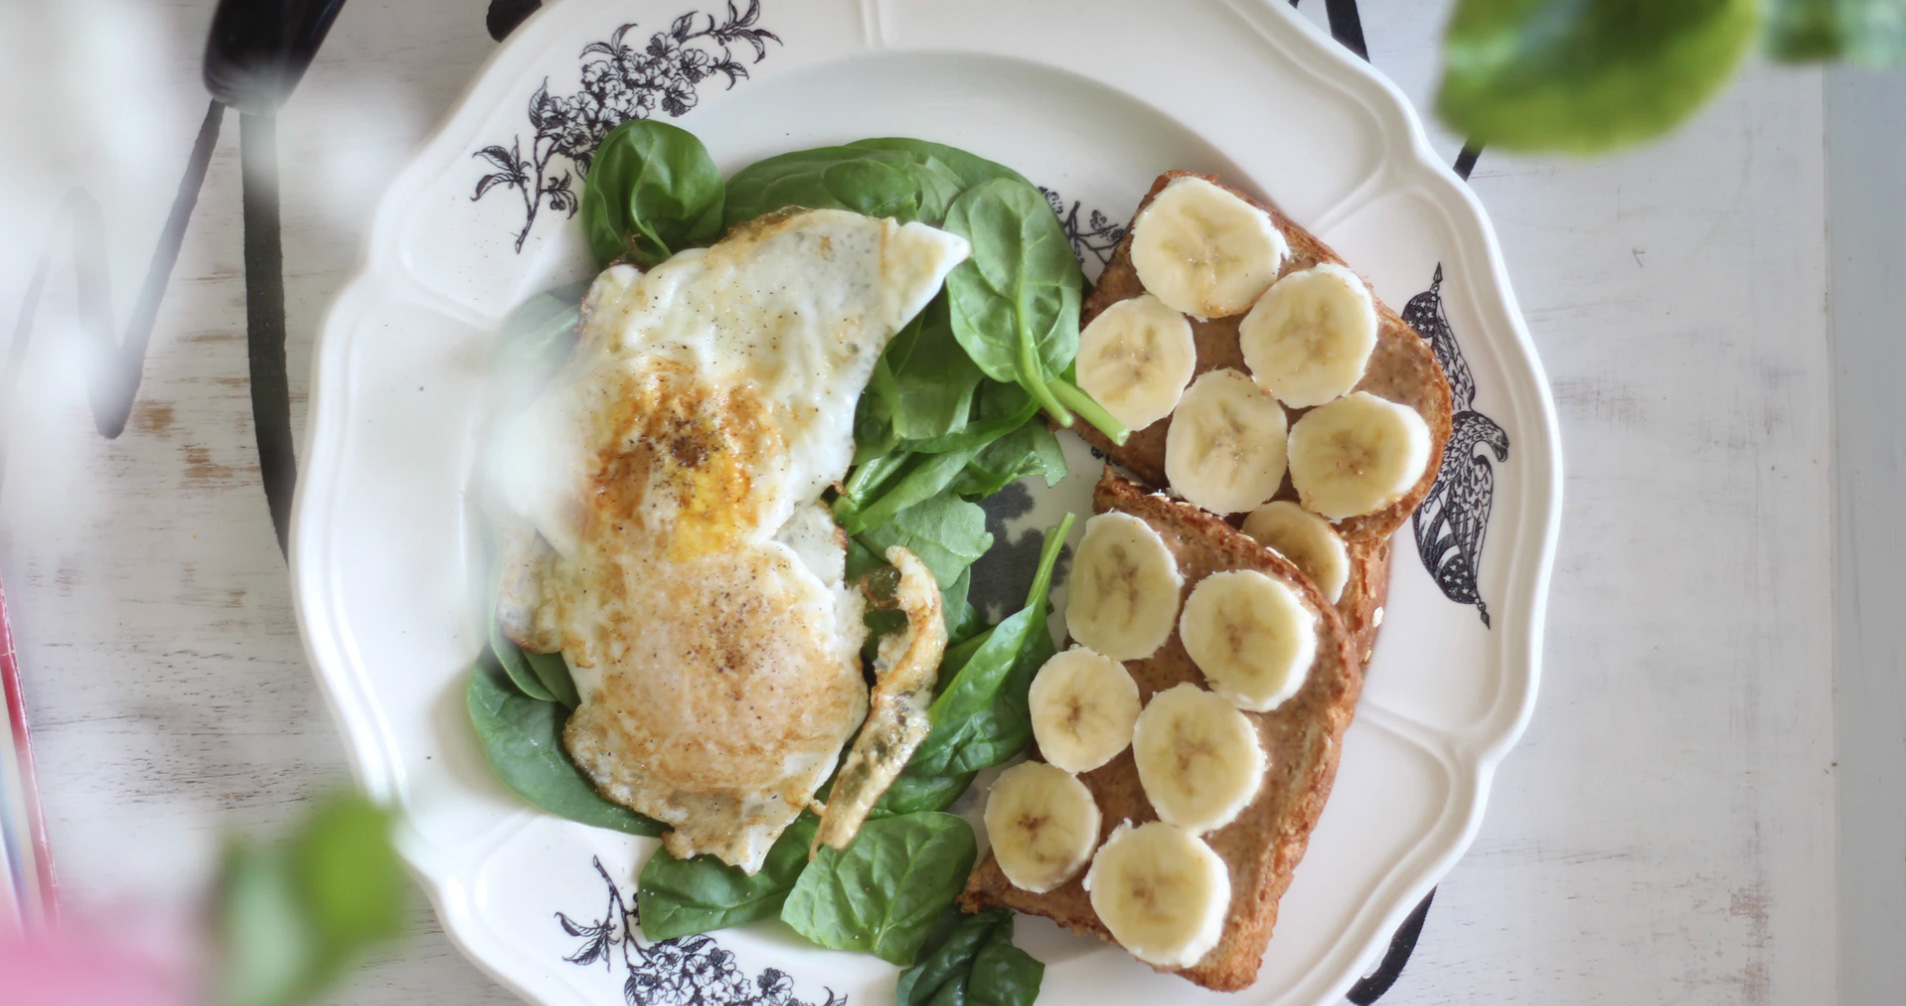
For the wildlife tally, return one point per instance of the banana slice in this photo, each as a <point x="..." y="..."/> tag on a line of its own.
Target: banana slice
<point x="1136" y="358"/>
<point x="1306" y="540"/>
<point x="1123" y="592"/>
<point x="1225" y="448"/>
<point x="1204" y="251"/>
<point x="1083" y="706"/>
<point x="1042" y="823"/>
<point x="1161" y="891"/>
<point x="1198" y="758"/>
<point x="1356" y="455"/>
<point x="1310" y="335"/>
<point x="1251" y="636"/>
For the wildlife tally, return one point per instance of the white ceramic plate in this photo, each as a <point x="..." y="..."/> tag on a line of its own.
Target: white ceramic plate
<point x="1090" y="98"/>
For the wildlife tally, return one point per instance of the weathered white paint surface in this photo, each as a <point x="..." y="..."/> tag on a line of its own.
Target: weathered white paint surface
<point x="1664" y="834"/>
<point x="1866" y="224"/>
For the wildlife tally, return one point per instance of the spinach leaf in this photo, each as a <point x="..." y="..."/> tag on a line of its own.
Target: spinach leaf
<point x="980" y="716"/>
<point x="1004" y="975"/>
<point x="866" y="483"/>
<point x="923" y="477"/>
<point x="553" y="671"/>
<point x="679" y="897"/>
<point x="917" y="470"/>
<point x="922" y="387"/>
<point x="516" y="665"/>
<point x="540" y="676"/>
<point x="998" y="409"/>
<point x="934" y="382"/>
<point x="1029" y="450"/>
<point x="962" y="619"/>
<point x="974" y="963"/>
<point x="945" y="532"/>
<point x="1015" y="301"/>
<point x="969" y="623"/>
<point x="652" y="190"/>
<point x="882" y="893"/>
<point x="966" y="169"/>
<point x="522" y="737"/>
<point x="875" y="182"/>
<point x="1585" y="76"/>
<point x="873" y="414"/>
<point x="911" y="794"/>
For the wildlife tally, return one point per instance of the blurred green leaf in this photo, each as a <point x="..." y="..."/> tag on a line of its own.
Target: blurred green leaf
<point x="291" y="918"/>
<point x="348" y="876"/>
<point x="1870" y="32"/>
<point x="1586" y="75"/>
<point x="266" y="949"/>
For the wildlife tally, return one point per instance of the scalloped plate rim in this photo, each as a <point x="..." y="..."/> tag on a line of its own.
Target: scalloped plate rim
<point x="357" y="715"/>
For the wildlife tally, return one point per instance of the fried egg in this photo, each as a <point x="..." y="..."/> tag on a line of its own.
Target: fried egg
<point x="692" y="578"/>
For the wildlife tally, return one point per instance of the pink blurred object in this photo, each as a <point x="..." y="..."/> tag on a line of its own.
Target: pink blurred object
<point x="130" y="958"/>
<point x="131" y="962"/>
<point x="23" y="845"/>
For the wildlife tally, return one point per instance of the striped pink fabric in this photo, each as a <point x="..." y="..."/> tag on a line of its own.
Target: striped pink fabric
<point x="28" y="856"/>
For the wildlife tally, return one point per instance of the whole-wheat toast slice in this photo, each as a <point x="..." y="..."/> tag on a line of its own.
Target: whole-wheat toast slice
<point x="1402" y="369"/>
<point x="1302" y="737"/>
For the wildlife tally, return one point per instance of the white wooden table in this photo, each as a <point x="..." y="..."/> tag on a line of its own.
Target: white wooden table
<point x="1667" y="831"/>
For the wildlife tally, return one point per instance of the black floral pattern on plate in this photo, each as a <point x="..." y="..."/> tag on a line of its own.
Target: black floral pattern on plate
<point x="1093" y="240"/>
<point x="684" y="971"/>
<point x="620" y="81"/>
<point x="1454" y="519"/>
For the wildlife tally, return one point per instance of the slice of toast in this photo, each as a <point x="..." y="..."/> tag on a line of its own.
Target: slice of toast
<point x="1401" y="369"/>
<point x="1302" y="738"/>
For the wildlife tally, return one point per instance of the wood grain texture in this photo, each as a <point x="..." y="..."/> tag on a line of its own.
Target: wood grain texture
<point x="1664" y="834"/>
<point x="1665" y="830"/>
<point x="170" y="692"/>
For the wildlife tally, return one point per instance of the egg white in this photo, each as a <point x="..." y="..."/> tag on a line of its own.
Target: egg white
<point x="691" y="577"/>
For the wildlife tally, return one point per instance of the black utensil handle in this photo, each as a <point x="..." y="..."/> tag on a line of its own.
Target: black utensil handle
<point x="1372" y="987"/>
<point x="265" y="319"/>
<point x="258" y="50"/>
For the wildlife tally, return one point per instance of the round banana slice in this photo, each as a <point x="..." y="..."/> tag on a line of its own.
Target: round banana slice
<point x="1198" y="758"/>
<point x="1123" y="592"/>
<point x="1042" y="823"/>
<point x="1161" y="891"/>
<point x="1251" y="636"/>
<point x="1307" y="540"/>
<point x="1136" y="358"/>
<point x="1310" y="335"/>
<point x="1225" y="448"/>
<point x="1204" y="251"/>
<point x="1356" y="455"/>
<point x="1083" y="705"/>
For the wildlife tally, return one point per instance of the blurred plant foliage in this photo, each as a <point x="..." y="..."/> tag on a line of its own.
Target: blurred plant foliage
<point x="1585" y="76"/>
<point x="290" y="918"/>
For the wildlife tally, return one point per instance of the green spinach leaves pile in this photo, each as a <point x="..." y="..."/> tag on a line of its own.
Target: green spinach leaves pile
<point x="955" y="411"/>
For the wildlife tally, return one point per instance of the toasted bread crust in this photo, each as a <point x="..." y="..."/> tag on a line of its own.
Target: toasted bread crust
<point x="1303" y="739"/>
<point x="1402" y="369"/>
